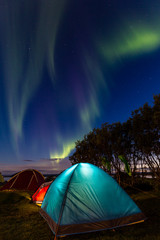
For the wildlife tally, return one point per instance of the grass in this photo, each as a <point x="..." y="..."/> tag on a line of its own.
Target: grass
<point x="20" y="219"/>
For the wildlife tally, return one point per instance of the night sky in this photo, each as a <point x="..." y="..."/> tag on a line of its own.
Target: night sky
<point x="67" y="66"/>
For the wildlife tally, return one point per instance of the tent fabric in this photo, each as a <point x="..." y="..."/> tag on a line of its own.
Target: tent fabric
<point x="84" y="198"/>
<point x="29" y="179"/>
<point x="39" y="195"/>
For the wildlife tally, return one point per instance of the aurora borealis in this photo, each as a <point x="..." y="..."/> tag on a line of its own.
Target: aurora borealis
<point x="68" y="66"/>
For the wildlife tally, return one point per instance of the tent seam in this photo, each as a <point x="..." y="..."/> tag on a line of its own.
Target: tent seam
<point x="35" y="176"/>
<point x="30" y="181"/>
<point x="14" y="181"/>
<point x="63" y="203"/>
<point x="39" y="173"/>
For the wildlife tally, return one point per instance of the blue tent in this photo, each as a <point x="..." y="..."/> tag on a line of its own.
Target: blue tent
<point x="84" y="198"/>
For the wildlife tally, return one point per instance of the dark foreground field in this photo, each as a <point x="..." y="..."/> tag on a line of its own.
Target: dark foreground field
<point x="20" y="220"/>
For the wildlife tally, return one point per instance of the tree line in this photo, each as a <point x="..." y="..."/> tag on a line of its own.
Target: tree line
<point x="133" y="146"/>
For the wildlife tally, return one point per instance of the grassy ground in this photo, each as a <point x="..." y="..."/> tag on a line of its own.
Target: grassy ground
<point x="20" y="220"/>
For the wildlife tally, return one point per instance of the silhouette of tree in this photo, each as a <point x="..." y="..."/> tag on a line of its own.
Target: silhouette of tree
<point x="137" y="140"/>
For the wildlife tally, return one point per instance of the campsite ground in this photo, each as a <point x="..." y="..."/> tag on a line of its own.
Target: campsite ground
<point x="20" y="219"/>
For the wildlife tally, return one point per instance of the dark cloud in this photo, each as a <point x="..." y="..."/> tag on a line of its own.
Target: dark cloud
<point x="28" y="160"/>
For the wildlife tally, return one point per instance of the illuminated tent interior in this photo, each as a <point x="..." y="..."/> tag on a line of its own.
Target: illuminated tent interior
<point x="84" y="198"/>
<point x="29" y="179"/>
<point x="39" y="195"/>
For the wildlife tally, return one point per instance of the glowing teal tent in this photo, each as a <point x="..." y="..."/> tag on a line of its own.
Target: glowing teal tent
<point x="84" y="198"/>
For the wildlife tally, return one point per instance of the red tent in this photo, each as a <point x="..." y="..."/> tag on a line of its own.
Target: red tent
<point x="29" y="179"/>
<point x="39" y="195"/>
